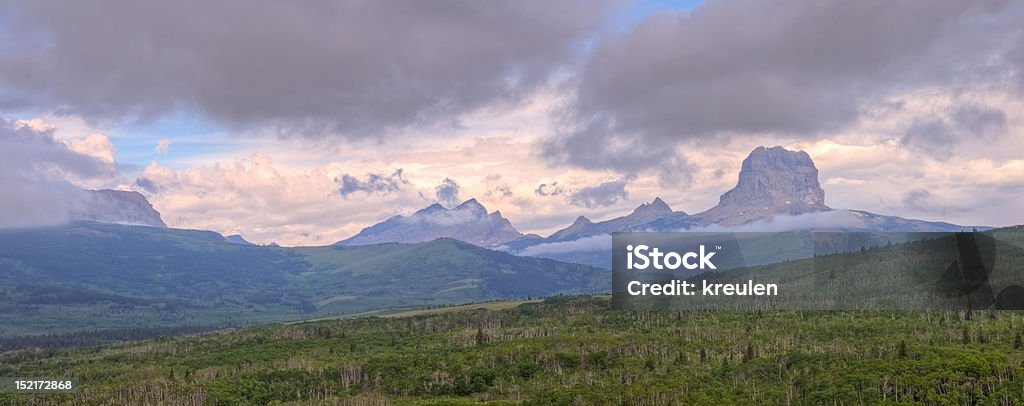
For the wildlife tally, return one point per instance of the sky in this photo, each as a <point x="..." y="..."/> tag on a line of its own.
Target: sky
<point x="302" y="122"/>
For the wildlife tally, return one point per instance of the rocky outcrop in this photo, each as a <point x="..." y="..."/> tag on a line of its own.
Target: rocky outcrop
<point x="117" y="207"/>
<point x="469" y="222"/>
<point x="771" y="181"/>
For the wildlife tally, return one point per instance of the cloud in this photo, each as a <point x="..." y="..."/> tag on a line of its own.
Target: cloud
<point x="917" y="199"/>
<point x="95" y="145"/>
<point x="601" y="242"/>
<point x="360" y="68"/>
<point x="766" y="68"/>
<point x="605" y="194"/>
<point x="163" y="147"/>
<point x="980" y="120"/>
<point x="269" y="202"/>
<point x="373" y="183"/>
<point x="447" y="193"/>
<point x="446" y="218"/>
<point x="938" y="135"/>
<point x="147" y="185"/>
<point x="34" y="172"/>
<point x="821" y="220"/>
<point x="931" y="136"/>
<point x="500" y="191"/>
<point x="552" y="189"/>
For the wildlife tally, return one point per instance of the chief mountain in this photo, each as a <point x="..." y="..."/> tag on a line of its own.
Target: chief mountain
<point x="105" y="271"/>
<point x="774" y="184"/>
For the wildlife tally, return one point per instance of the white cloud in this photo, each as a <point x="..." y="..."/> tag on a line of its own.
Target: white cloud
<point x="35" y="169"/>
<point x="95" y="145"/>
<point x="593" y="243"/>
<point x="163" y="147"/>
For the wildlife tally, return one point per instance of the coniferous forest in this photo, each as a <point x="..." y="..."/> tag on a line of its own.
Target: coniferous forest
<point x="563" y="350"/>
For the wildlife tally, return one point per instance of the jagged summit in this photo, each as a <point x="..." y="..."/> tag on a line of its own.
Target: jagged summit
<point x="655" y="207"/>
<point x="436" y="207"/>
<point x="646" y="216"/>
<point x="771" y="181"/>
<point x="469" y="222"/>
<point x="581" y="220"/>
<point x="471" y="205"/>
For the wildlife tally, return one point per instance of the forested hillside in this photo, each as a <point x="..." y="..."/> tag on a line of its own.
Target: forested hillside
<point x="565" y="350"/>
<point x="91" y="276"/>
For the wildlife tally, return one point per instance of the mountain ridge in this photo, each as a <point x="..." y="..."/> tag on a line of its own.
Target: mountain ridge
<point x="469" y="222"/>
<point x="150" y="277"/>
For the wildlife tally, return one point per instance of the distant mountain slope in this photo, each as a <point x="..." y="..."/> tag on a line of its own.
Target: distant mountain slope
<point x="647" y="215"/>
<point x="91" y="275"/>
<point x="118" y="207"/>
<point x="777" y="190"/>
<point x="467" y="222"/>
<point x="238" y="239"/>
<point x="444" y="270"/>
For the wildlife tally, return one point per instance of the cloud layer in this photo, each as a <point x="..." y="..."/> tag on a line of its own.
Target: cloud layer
<point x="911" y="108"/>
<point x="354" y="67"/>
<point x="766" y="67"/>
<point x="34" y="168"/>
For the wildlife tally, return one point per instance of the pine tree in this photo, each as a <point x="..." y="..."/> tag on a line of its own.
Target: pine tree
<point x="480" y="337"/>
<point x="749" y="354"/>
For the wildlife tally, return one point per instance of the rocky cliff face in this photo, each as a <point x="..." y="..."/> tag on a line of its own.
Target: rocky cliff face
<point x="772" y="181"/>
<point x="467" y="222"/>
<point x="118" y="207"/>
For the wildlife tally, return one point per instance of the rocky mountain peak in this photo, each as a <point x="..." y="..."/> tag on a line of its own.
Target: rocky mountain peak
<point x="468" y="222"/>
<point x="118" y="207"/>
<point x="582" y="220"/>
<point x="436" y="207"/>
<point x="777" y="177"/>
<point x="472" y="205"/>
<point x="656" y="207"/>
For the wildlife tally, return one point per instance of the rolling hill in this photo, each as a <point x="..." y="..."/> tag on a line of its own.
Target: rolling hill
<point x="87" y="276"/>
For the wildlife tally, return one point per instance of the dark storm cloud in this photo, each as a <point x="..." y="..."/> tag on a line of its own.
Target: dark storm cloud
<point x="148" y="185"/>
<point x="379" y="183"/>
<point x="33" y="169"/>
<point x="604" y="194"/>
<point x="980" y="120"/>
<point x="356" y="67"/>
<point x="939" y="136"/>
<point x="930" y="136"/>
<point x="770" y="67"/>
<point x="447" y="193"/>
<point x="917" y="199"/>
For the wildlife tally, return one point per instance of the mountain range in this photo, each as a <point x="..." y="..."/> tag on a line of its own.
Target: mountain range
<point x="90" y="274"/>
<point x="777" y="190"/>
<point x="469" y="222"/>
